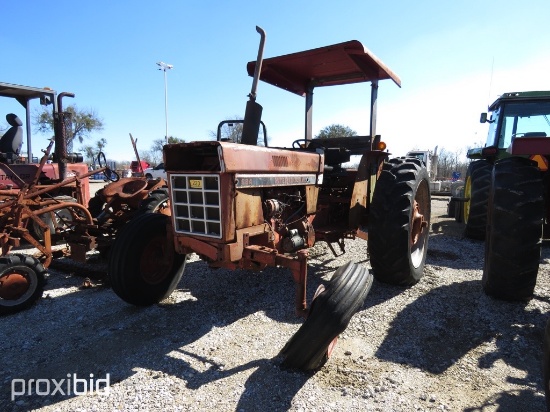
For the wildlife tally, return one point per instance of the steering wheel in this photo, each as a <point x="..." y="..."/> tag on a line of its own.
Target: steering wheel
<point x="101" y="156"/>
<point x="311" y="144"/>
<point x="109" y="174"/>
<point x="296" y="144"/>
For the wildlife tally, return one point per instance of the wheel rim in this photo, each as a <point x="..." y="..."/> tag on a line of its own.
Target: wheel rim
<point x="163" y="208"/>
<point x="419" y="225"/>
<point x="153" y="265"/>
<point x="16" y="285"/>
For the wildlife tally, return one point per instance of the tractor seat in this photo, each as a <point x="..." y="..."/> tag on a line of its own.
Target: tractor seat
<point x="12" y="140"/>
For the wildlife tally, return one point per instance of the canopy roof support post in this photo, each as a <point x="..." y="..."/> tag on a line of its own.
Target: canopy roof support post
<point x="309" y="113"/>
<point x="28" y="126"/>
<point x="373" y="107"/>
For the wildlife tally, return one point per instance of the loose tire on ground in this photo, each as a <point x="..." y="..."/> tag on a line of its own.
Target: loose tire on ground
<point x="476" y="188"/>
<point x="329" y="315"/>
<point x="514" y="229"/>
<point x="22" y="280"/>
<point x="397" y="242"/>
<point x="143" y="266"/>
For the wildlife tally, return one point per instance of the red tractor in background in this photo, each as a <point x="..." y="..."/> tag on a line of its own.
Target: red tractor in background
<point x="47" y="201"/>
<point x="240" y="205"/>
<point x="18" y="168"/>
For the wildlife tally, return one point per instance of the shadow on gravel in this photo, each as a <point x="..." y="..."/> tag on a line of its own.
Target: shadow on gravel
<point x="522" y="400"/>
<point x="436" y="330"/>
<point x="93" y="331"/>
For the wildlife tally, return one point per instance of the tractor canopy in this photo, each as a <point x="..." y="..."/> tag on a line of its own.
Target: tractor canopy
<point x="24" y="95"/>
<point x="339" y="64"/>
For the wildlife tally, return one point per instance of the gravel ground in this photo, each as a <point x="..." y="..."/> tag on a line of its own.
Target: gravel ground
<point x="439" y="345"/>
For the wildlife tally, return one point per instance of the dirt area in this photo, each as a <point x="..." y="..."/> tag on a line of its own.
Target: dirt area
<point x="213" y="345"/>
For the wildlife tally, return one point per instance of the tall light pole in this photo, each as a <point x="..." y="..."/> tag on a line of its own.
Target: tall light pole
<point x="164" y="67"/>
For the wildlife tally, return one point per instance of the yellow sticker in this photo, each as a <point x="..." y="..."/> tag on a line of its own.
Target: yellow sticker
<point x="195" y="184"/>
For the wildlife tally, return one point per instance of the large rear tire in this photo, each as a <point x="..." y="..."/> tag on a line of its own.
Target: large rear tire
<point x="476" y="188"/>
<point x="143" y="267"/>
<point x="329" y="315"/>
<point x="514" y="229"/>
<point x="59" y="220"/>
<point x="21" y="282"/>
<point x="399" y="222"/>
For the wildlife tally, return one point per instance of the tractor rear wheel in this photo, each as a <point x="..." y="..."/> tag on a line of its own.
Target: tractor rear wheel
<point x="514" y="229"/>
<point x="21" y="282"/>
<point x="329" y="315"/>
<point x="59" y="220"/>
<point x="143" y="266"/>
<point x="476" y="188"/>
<point x="399" y="222"/>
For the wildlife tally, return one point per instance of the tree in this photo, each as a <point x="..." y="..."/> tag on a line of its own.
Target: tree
<point x="91" y="152"/>
<point x="154" y="154"/>
<point x="335" y="130"/>
<point x="84" y="122"/>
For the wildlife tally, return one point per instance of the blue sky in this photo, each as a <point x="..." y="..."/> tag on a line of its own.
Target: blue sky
<point x="453" y="58"/>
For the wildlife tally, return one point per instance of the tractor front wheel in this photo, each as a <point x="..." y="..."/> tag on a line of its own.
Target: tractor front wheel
<point x="329" y="315"/>
<point x="21" y="282"/>
<point x="143" y="266"/>
<point x="399" y="222"/>
<point x="514" y="229"/>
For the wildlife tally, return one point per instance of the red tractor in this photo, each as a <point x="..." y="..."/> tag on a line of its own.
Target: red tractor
<point x="48" y="201"/>
<point x="240" y="205"/>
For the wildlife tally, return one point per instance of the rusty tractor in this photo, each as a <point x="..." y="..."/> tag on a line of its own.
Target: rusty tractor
<point x="43" y="203"/>
<point x="240" y="205"/>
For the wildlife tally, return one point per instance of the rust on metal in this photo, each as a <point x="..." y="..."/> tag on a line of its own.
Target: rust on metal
<point x="248" y="208"/>
<point x="418" y="224"/>
<point x="239" y="158"/>
<point x="343" y="63"/>
<point x="13" y="285"/>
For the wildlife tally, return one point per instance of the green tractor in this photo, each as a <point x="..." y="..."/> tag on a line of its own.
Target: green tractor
<point x="505" y="192"/>
<point x="505" y="198"/>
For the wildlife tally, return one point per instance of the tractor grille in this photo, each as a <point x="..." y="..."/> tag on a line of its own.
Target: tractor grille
<point x="196" y="206"/>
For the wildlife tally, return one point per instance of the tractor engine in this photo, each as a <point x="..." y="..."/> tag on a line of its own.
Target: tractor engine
<point x="285" y="211"/>
<point x="228" y="197"/>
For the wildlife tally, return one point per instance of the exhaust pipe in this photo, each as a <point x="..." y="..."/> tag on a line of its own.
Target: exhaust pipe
<point x="60" y="121"/>
<point x="253" y="112"/>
